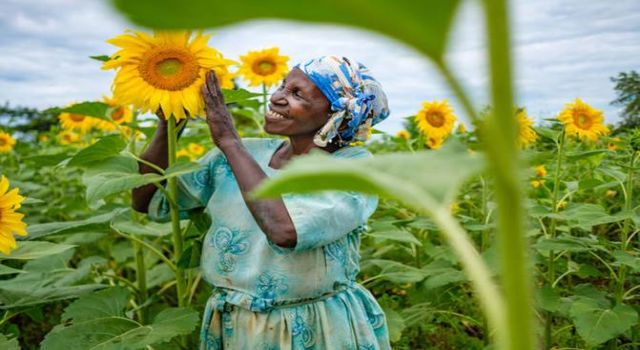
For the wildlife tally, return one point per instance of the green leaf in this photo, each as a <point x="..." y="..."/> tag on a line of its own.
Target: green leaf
<point x="28" y="250"/>
<point x="395" y="323"/>
<point x="597" y="323"/>
<point x="101" y="58"/>
<point x="148" y="229"/>
<point x="96" y="223"/>
<point x="120" y="173"/>
<point x="396" y="235"/>
<point x="585" y="154"/>
<point x="104" y="303"/>
<point x="7" y="343"/>
<point x="569" y="243"/>
<point x="422" y="24"/>
<point x="396" y="272"/>
<point x="181" y="168"/>
<point x="111" y="333"/>
<point x="418" y="179"/>
<point x="624" y="258"/>
<point x="238" y="95"/>
<point x="106" y="147"/>
<point x="168" y="324"/>
<point x="551" y="134"/>
<point x="6" y="270"/>
<point x="114" y="175"/>
<point x="88" y="108"/>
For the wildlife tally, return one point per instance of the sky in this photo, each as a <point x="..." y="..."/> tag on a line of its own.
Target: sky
<point x="563" y="49"/>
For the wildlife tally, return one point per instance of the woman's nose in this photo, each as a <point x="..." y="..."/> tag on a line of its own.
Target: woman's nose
<point x="278" y="98"/>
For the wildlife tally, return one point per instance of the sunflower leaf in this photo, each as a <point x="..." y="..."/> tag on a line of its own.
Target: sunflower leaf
<point x="407" y="177"/>
<point x="104" y="148"/>
<point x="422" y="24"/>
<point x="33" y="250"/>
<point x="87" y="108"/>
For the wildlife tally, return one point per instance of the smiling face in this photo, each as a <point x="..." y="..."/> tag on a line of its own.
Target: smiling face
<point x="297" y="109"/>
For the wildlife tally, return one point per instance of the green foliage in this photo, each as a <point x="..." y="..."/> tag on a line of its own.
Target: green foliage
<point x="99" y="322"/>
<point x="627" y="87"/>
<point x="422" y="24"/>
<point x="597" y="321"/>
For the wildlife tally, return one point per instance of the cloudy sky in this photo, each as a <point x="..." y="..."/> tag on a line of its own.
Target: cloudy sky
<point x="563" y="49"/>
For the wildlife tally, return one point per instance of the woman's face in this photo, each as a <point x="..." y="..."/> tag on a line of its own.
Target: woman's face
<point x="297" y="108"/>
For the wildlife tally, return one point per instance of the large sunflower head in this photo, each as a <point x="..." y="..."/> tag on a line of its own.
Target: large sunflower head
<point x="10" y="222"/>
<point x="583" y="121"/>
<point x="266" y="67"/>
<point x="526" y="134"/>
<point x="79" y="122"/>
<point x="6" y="142"/>
<point x="435" y="119"/>
<point x="119" y="115"/>
<point x="165" y="71"/>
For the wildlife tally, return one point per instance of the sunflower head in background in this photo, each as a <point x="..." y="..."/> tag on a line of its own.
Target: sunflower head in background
<point x="266" y="67"/>
<point x="67" y="137"/>
<point x="6" y="142"/>
<point x="583" y="121"/>
<point x="119" y="115"/>
<point x="10" y="222"/>
<point x="526" y="134"/>
<point x="165" y="71"/>
<point x="79" y="122"/>
<point x="435" y="120"/>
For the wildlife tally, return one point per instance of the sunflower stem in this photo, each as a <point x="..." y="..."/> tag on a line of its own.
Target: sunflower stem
<point x="551" y="269"/>
<point x="502" y="153"/>
<point x="626" y="226"/>
<point x="141" y="269"/>
<point x="172" y="185"/>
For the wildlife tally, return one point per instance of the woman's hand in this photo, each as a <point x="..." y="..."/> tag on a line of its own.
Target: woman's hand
<point x="218" y="117"/>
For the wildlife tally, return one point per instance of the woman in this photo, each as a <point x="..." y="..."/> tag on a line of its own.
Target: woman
<point x="283" y="269"/>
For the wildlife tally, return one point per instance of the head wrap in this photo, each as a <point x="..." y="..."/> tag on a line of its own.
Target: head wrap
<point x="356" y="98"/>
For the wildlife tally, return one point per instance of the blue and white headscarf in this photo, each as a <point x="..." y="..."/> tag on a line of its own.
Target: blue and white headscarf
<point x="356" y="98"/>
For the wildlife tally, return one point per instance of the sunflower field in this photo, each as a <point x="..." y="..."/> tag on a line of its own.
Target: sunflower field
<point x="493" y="231"/>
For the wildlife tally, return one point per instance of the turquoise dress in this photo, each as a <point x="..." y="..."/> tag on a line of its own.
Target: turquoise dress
<point x="269" y="297"/>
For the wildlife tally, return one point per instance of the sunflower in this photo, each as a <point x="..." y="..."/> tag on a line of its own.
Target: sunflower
<point x="582" y="120"/>
<point x="165" y="71"/>
<point x="435" y="119"/>
<point x="435" y="142"/>
<point x="6" y="142"/>
<point x="73" y="121"/>
<point x="403" y="134"/>
<point x="537" y="183"/>
<point x="119" y="114"/>
<point x="195" y="149"/>
<point x="184" y="153"/>
<point x="541" y="171"/>
<point x="67" y="137"/>
<point x="526" y="134"/>
<point x="10" y="222"/>
<point x="266" y="67"/>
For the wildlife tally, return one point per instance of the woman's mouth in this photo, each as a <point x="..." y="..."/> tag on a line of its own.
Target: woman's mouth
<point x="274" y="115"/>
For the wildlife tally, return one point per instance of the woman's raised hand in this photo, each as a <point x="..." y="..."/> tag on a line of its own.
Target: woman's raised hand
<point x="218" y="116"/>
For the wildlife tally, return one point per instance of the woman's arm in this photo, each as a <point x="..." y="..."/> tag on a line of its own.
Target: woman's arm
<point x="271" y="215"/>
<point x="156" y="154"/>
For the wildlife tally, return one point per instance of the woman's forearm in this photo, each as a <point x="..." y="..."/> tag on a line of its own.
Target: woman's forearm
<point x="270" y="214"/>
<point x="156" y="154"/>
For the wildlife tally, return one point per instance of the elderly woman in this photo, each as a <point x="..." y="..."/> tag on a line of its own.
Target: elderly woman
<point x="284" y="270"/>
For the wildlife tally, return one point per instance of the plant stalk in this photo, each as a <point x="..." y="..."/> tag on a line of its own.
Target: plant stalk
<point x="502" y="152"/>
<point x="176" y="234"/>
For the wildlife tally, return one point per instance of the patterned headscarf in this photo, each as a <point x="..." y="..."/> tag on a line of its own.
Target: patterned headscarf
<point x="356" y="98"/>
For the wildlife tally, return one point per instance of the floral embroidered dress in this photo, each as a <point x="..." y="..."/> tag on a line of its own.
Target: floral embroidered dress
<point x="269" y="297"/>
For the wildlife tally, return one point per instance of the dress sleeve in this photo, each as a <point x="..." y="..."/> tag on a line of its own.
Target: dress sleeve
<point x="323" y="217"/>
<point x="194" y="190"/>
